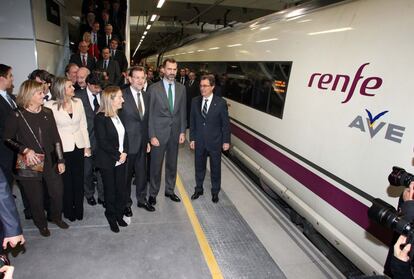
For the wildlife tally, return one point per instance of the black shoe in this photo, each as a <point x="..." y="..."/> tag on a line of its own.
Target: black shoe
<point x="173" y="197"/>
<point x="146" y="206"/>
<point x="61" y="224"/>
<point x="215" y="198"/>
<point x="44" y="232"/>
<point x="196" y="195"/>
<point x="152" y="201"/>
<point x="91" y="201"/>
<point x="27" y="215"/>
<point x="114" y="227"/>
<point x="128" y="212"/>
<point x="121" y="222"/>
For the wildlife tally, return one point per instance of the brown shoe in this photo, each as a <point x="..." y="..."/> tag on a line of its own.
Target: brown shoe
<point x="61" y="224"/>
<point x="44" y="232"/>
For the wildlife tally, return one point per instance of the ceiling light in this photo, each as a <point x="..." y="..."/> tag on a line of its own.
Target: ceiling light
<point x="267" y="40"/>
<point x="148" y="26"/>
<point x="265" y="28"/>
<point x="160" y="3"/>
<point x="145" y="32"/>
<point x="153" y="17"/>
<point x="213" y="48"/>
<point x="331" y="31"/>
<point x="235" y="45"/>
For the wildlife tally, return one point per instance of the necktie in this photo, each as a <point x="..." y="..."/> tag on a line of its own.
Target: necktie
<point x="182" y="80"/>
<point x="11" y="102"/>
<point x="170" y="98"/>
<point x="204" y="110"/>
<point x="139" y="105"/>
<point x="95" y="103"/>
<point x="83" y="60"/>
<point x="107" y="40"/>
<point x="191" y="82"/>
<point x="46" y="98"/>
<point x="113" y="53"/>
<point x="106" y="65"/>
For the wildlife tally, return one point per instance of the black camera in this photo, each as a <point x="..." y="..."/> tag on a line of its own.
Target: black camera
<point x="3" y="261"/>
<point x="399" y="177"/>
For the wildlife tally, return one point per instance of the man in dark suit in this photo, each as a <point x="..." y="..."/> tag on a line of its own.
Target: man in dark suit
<point x="106" y="37"/>
<point x="182" y="77"/>
<point x="7" y="105"/>
<point x="91" y="100"/>
<point x="82" y="59"/>
<point x="119" y="56"/>
<point x="134" y="115"/>
<point x="110" y="66"/>
<point x="192" y="87"/>
<point x="209" y="133"/>
<point x="167" y="125"/>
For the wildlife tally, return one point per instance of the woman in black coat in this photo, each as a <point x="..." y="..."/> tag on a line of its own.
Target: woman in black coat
<point x="111" y="155"/>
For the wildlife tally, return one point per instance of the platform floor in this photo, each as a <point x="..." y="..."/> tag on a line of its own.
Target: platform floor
<point x="243" y="236"/>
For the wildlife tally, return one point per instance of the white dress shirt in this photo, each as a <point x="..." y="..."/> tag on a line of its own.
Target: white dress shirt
<point x="120" y="129"/>
<point x="92" y="98"/>
<point x="208" y="102"/>
<point x="141" y="99"/>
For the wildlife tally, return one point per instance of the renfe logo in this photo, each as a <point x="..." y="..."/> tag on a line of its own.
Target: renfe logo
<point x="329" y="81"/>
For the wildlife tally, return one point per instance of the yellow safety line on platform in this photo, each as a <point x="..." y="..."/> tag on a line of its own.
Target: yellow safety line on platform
<point x="201" y="237"/>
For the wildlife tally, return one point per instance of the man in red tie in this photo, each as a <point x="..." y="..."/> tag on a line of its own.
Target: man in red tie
<point x="82" y="59"/>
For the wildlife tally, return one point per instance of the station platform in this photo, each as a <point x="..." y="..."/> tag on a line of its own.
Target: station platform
<point x="242" y="236"/>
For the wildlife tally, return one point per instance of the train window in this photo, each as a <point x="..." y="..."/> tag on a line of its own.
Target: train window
<point x="260" y="85"/>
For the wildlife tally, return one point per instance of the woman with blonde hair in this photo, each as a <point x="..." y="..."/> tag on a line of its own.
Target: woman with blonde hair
<point x="93" y="49"/>
<point x="71" y="123"/>
<point x="111" y="155"/>
<point x="32" y="132"/>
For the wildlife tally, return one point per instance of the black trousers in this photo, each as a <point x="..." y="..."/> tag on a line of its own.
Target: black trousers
<point x="73" y="184"/>
<point x="200" y="162"/>
<point x="137" y="164"/>
<point x="114" y="182"/>
<point x="34" y="193"/>
<point x="89" y="184"/>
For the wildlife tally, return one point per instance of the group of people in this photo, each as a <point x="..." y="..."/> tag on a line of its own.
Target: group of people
<point x="103" y="136"/>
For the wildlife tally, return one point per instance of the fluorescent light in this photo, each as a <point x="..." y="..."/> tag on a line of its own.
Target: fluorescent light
<point x="153" y="17"/>
<point x="235" y="45"/>
<point x="148" y="26"/>
<point x="213" y="48"/>
<point x="267" y="40"/>
<point x="265" y="28"/>
<point x="305" y="20"/>
<point x="143" y="37"/>
<point x="189" y="52"/>
<point x="330" y="31"/>
<point x="145" y="32"/>
<point x="160" y="3"/>
<point x="200" y="50"/>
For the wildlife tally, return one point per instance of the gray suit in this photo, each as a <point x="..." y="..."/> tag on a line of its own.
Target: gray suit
<point x="166" y="127"/>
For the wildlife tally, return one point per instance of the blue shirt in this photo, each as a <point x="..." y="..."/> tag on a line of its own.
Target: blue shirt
<point x="167" y="85"/>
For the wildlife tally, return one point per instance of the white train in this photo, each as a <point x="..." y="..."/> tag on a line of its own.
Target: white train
<point x="320" y="110"/>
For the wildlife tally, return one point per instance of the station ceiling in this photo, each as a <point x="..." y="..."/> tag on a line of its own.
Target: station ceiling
<point x="179" y="19"/>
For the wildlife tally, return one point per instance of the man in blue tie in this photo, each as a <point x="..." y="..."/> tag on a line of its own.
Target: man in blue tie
<point x="209" y="134"/>
<point x="167" y="124"/>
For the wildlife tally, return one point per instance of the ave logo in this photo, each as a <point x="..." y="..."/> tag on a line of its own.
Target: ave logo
<point x="375" y="128"/>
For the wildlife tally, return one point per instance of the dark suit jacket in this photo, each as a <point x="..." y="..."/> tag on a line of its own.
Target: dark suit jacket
<point x="107" y="142"/>
<point x="212" y="132"/>
<point x="178" y="79"/>
<point x="76" y="58"/>
<point x="90" y="115"/>
<point x="162" y="123"/>
<point x="121" y="59"/>
<point x="9" y="218"/>
<point x="6" y="154"/>
<point x="113" y="70"/>
<point x="136" y="127"/>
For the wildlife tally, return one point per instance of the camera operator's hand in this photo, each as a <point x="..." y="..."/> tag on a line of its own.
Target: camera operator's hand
<point x="409" y="192"/>
<point x="402" y="254"/>
<point x="7" y="270"/>
<point x="13" y="241"/>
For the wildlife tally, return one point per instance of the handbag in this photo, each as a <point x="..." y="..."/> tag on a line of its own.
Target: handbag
<point x="23" y="168"/>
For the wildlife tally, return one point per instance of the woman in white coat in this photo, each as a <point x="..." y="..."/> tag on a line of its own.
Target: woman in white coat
<point x="71" y="123"/>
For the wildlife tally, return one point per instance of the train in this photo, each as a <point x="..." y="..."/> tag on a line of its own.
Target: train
<point x="319" y="99"/>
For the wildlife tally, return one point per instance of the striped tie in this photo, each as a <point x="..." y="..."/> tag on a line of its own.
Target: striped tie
<point x="204" y="111"/>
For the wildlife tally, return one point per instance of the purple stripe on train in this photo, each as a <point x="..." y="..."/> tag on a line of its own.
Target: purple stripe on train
<point x="346" y="204"/>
